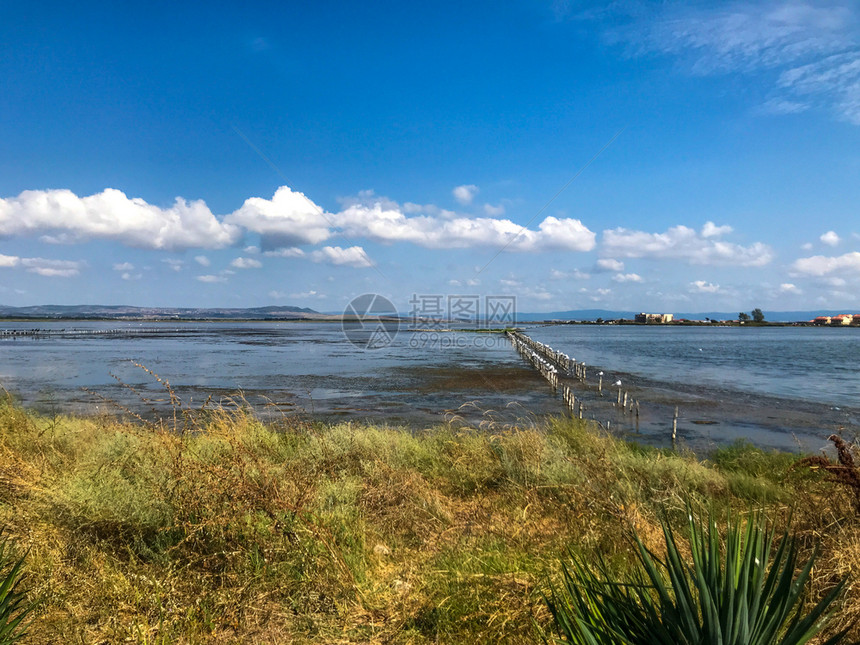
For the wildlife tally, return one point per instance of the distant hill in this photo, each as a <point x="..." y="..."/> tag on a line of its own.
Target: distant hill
<point x="120" y="312"/>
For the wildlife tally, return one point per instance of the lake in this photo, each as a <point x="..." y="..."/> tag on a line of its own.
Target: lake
<point x="780" y="387"/>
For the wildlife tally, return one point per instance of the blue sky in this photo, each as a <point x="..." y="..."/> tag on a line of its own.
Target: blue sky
<point x="305" y="153"/>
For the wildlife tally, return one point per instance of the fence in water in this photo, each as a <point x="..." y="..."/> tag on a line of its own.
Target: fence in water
<point x="564" y="372"/>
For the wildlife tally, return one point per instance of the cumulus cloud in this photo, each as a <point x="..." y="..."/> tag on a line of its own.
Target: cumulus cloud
<point x="830" y="238"/>
<point x="174" y="264"/>
<point x="787" y="287"/>
<point x="383" y="222"/>
<point x="246" y="263"/>
<point x="288" y="219"/>
<point x="465" y="194"/>
<point x="494" y="211"/>
<point x="609" y="264"/>
<point x="684" y="243"/>
<point x="63" y="216"/>
<point x="211" y="278"/>
<point x="821" y="265"/>
<point x="123" y="266"/>
<point x="712" y="230"/>
<point x="627" y="277"/>
<point x="700" y="286"/>
<point x="353" y="256"/>
<point x="43" y="266"/>
<point x="202" y="260"/>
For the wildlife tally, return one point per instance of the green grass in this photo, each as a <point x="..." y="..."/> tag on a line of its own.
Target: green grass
<point x="241" y="532"/>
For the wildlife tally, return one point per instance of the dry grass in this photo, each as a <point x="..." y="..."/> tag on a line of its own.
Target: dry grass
<point x="222" y="529"/>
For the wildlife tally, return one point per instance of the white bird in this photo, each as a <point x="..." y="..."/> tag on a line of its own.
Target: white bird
<point x="618" y="383"/>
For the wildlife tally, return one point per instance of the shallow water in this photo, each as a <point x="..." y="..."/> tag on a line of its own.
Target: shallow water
<point x="289" y="367"/>
<point x="779" y="387"/>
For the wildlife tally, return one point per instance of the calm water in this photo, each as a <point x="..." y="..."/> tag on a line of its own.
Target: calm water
<point x="806" y="363"/>
<point x="289" y="367"/>
<point x="779" y="387"/>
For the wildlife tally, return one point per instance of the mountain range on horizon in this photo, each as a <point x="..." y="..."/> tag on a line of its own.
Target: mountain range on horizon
<point x="290" y="312"/>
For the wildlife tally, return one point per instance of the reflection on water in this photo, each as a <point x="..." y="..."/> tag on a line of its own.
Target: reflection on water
<point x="781" y="387"/>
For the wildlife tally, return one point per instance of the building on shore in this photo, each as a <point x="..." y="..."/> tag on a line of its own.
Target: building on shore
<point x="654" y="318"/>
<point x="837" y="321"/>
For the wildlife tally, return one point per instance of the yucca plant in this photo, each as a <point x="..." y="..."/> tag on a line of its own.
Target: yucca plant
<point x="741" y="591"/>
<point x="14" y="605"/>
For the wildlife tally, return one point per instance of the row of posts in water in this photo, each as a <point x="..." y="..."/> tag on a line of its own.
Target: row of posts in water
<point x="546" y="363"/>
<point x="77" y="332"/>
<point x="549" y="362"/>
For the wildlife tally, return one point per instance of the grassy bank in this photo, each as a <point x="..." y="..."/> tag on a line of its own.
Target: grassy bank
<point x="222" y="529"/>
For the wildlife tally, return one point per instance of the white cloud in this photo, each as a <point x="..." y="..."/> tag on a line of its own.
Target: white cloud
<point x="830" y="238"/>
<point x="251" y="250"/>
<point x="787" y="287"/>
<point x="700" y="286"/>
<point x="289" y="218"/>
<point x="783" y="106"/>
<point x="112" y="215"/>
<point x="382" y="222"/>
<point x="494" y="211"/>
<point x="555" y="274"/>
<point x="712" y="230"/>
<point x="42" y="266"/>
<point x="809" y="49"/>
<point x="123" y="266"/>
<point x="291" y="252"/>
<point x="202" y="260"/>
<point x="820" y="265"/>
<point x="353" y="256"/>
<point x="807" y="246"/>
<point x="465" y="194"/>
<point x="683" y="243"/>
<point x="52" y="268"/>
<point x="131" y="276"/>
<point x="246" y="263"/>
<point x="174" y="264"/>
<point x="211" y="278"/>
<point x="609" y="264"/>
<point x="627" y="277"/>
<point x="305" y="295"/>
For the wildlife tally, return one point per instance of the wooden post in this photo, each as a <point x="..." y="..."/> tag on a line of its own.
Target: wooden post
<point x="625" y="403"/>
<point x="675" y="426"/>
<point x="600" y="383"/>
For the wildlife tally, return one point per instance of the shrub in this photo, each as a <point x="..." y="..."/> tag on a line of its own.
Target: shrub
<point x="729" y="595"/>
